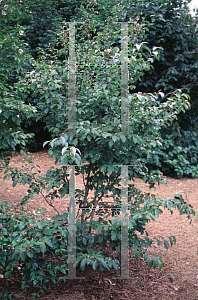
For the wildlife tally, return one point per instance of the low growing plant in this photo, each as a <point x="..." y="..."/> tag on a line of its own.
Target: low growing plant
<point x="38" y="249"/>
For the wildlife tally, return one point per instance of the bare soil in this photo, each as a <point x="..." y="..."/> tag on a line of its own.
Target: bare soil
<point x="181" y="259"/>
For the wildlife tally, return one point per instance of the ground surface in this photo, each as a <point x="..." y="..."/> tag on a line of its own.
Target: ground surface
<point x="181" y="260"/>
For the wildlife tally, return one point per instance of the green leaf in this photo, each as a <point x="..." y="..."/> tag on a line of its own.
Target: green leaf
<point x="49" y="188"/>
<point x="171" y="276"/>
<point x="115" y="220"/>
<point x="166" y="244"/>
<point x="134" y="251"/>
<point x="159" y="263"/>
<point x="62" y="140"/>
<point x="150" y="262"/>
<point x="171" y="241"/>
<point x="84" y="241"/>
<point x="135" y="139"/>
<point x="158" y="242"/>
<point x="101" y="268"/>
<point x="15" y="182"/>
<point x="110" y="170"/>
<point x="45" y="143"/>
<point x="157" y="212"/>
<point x="6" y="114"/>
<point x="154" y="262"/>
<point x="113" y="236"/>
<point x="30" y="254"/>
<point x="14" y="255"/>
<point x="48" y="232"/>
<point x="152" y="217"/>
<point x="83" y="263"/>
<point x="43" y="247"/>
<point x="100" y="239"/>
<point x="110" y="143"/>
<point x="115" y="265"/>
<point x="114" y="138"/>
<point x="23" y="255"/>
<point x="49" y="243"/>
<point x="123" y="138"/>
<point x="103" y="262"/>
<point x="145" y="256"/>
<point x="95" y="264"/>
<point x="103" y="168"/>
<point x="169" y="204"/>
<point x="75" y="142"/>
<point x="64" y="150"/>
<point x="130" y="225"/>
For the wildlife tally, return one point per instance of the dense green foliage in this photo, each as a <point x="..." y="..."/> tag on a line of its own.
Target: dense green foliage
<point x="13" y="58"/>
<point x="37" y="249"/>
<point x="178" y="155"/>
<point x="170" y="25"/>
<point x="173" y="29"/>
<point x="99" y="145"/>
<point x="43" y="21"/>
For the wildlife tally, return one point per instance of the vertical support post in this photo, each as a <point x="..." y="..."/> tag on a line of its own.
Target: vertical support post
<point x="124" y="223"/>
<point x="72" y="226"/>
<point x="124" y="79"/>
<point x="124" y="168"/>
<point x="72" y="82"/>
<point x="71" y="132"/>
<point x="125" y="132"/>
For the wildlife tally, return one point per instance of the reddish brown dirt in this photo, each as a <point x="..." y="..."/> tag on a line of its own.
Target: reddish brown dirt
<point x="181" y="259"/>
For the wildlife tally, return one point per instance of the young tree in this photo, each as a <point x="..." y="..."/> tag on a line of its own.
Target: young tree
<point x="106" y="137"/>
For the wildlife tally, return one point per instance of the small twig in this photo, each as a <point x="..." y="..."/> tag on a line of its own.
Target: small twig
<point x="109" y="281"/>
<point x="49" y="203"/>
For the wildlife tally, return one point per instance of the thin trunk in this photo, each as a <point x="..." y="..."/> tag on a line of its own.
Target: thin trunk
<point x="85" y="197"/>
